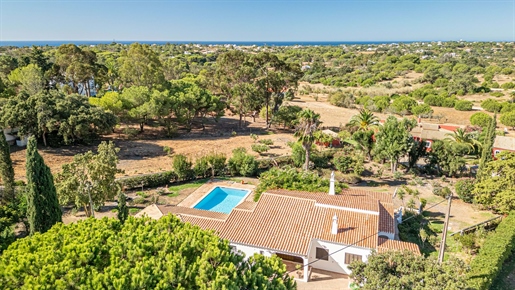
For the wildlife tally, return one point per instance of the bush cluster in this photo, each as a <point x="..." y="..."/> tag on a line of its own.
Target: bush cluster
<point x="148" y="180"/>
<point x="242" y="163"/>
<point x="463" y="105"/>
<point x="464" y="190"/>
<point x="291" y="179"/>
<point x="497" y="248"/>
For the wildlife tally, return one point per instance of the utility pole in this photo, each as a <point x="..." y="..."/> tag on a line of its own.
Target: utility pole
<point x="446" y="225"/>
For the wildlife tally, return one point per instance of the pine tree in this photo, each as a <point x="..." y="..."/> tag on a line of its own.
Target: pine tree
<point x="6" y="169"/>
<point x="486" y="153"/>
<point x="43" y="209"/>
<point x="123" y="210"/>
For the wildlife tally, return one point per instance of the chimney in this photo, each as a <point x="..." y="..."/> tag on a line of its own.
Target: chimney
<point x="334" y="228"/>
<point x="331" y="184"/>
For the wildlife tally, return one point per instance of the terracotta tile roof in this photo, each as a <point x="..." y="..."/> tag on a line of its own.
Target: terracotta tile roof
<point x="287" y="221"/>
<point x="180" y="210"/>
<point x="387" y="244"/>
<point x="348" y="198"/>
<point x="247" y="205"/>
<point x="386" y="219"/>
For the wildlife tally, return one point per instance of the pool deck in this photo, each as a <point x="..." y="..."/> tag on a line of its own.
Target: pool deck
<point x="195" y="196"/>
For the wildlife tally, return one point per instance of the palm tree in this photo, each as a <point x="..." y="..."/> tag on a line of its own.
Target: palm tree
<point x="364" y="121"/>
<point x="463" y="138"/>
<point x="308" y="125"/>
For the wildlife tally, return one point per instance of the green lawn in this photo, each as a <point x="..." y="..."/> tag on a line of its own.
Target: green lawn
<point x="193" y="184"/>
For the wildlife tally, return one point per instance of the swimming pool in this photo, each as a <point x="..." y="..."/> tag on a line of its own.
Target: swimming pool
<point x="222" y="199"/>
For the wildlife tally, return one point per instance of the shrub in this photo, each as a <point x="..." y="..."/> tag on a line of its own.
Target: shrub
<point x="433" y="100"/>
<point x="260" y="148"/>
<point x="480" y="119"/>
<point x="291" y="179"/>
<point x="148" y="180"/>
<point x="403" y="105"/>
<point x="347" y="162"/>
<point x="216" y="163"/>
<point x="422" y="110"/>
<point x="491" y="105"/>
<point x="442" y="191"/>
<point x="268" y="142"/>
<point x="463" y="105"/>
<point x="242" y="163"/>
<point x="182" y="167"/>
<point x="138" y="200"/>
<point x="497" y="94"/>
<point x="498" y="247"/>
<point x="286" y="115"/>
<point x="508" y="119"/>
<point x="449" y="102"/>
<point x="202" y="168"/>
<point x="464" y="189"/>
<point x="341" y="99"/>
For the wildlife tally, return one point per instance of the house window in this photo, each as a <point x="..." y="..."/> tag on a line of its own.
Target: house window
<point x="322" y="254"/>
<point x="427" y="144"/>
<point x="497" y="152"/>
<point x="261" y="252"/>
<point x="349" y="258"/>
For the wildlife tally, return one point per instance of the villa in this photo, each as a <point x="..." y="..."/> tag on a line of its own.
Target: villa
<point x="319" y="230"/>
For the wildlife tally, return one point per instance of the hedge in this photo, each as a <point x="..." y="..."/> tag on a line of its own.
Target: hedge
<point x="148" y="180"/>
<point x="497" y="248"/>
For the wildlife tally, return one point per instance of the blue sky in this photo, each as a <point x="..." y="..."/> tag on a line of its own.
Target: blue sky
<point x="257" y="20"/>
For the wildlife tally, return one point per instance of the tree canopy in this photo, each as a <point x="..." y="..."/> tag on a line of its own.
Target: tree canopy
<point x="139" y="254"/>
<point x="405" y="270"/>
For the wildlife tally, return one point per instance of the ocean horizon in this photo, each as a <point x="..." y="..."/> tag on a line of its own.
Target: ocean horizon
<point x="28" y="43"/>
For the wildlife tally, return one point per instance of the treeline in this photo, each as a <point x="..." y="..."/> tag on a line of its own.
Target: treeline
<point x="40" y="90"/>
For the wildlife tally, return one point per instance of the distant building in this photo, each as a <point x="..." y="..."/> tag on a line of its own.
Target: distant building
<point x="316" y="230"/>
<point x="503" y="143"/>
<point x="429" y="133"/>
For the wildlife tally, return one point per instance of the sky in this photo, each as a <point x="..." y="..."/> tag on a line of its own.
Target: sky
<point x="257" y="20"/>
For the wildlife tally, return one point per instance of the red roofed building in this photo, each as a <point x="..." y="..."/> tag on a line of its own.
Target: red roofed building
<point x="323" y="231"/>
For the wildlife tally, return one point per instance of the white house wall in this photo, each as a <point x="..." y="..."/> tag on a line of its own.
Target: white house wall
<point x="336" y="262"/>
<point x="250" y="251"/>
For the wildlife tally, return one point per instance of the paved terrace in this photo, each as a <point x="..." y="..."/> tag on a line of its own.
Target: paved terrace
<point x="203" y="190"/>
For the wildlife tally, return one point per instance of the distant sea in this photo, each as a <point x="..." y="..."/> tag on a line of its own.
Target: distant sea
<point x="239" y="43"/>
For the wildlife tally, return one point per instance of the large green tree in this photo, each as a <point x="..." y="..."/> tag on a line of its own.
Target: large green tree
<point x="29" y="79"/>
<point x="6" y="170"/>
<point x="89" y="174"/>
<point x="190" y="101"/>
<point x="79" y="67"/>
<point x="307" y="125"/>
<point x="495" y="187"/>
<point x="70" y="117"/>
<point x="43" y="209"/>
<point x="446" y="157"/>
<point x="140" y="254"/>
<point x="140" y="66"/>
<point x="405" y="270"/>
<point x="393" y="140"/>
<point x="235" y="78"/>
<point x="275" y="78"/>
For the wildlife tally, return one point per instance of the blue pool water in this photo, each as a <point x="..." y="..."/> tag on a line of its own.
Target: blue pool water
<point x="222" y="199"/>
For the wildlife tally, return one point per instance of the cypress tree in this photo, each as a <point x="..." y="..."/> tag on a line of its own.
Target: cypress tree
<point x="123" y="210"/>
<point x="486" y="153"/>
<point x="43" y="209"/>
<point x="6" y="170"/>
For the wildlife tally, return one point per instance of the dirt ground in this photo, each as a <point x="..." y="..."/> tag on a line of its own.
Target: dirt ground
<point x="147" y="155"/>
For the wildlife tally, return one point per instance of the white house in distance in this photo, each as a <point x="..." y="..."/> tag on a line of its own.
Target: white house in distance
<point x="327" y="232"/>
